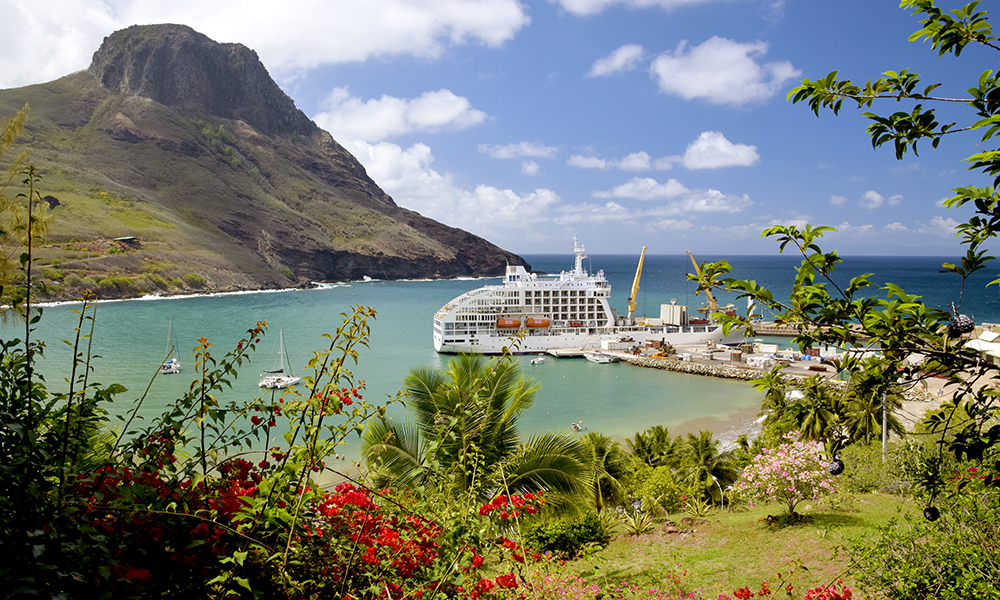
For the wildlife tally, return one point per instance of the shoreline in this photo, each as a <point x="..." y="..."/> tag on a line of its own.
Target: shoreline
<point x="312" y="286"/>
<point x="923" y="396"/>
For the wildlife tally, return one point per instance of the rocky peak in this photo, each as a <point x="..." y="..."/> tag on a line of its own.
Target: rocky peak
<point x="185" y="70"/>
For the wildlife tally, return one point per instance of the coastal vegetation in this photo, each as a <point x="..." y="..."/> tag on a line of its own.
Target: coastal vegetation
<point x="234" y="499"/>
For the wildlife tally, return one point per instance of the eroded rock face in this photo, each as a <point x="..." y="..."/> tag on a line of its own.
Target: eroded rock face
<point x="183" y="69"/>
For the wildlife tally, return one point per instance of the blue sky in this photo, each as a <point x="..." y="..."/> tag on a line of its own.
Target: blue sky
<point x="627" y="123"/>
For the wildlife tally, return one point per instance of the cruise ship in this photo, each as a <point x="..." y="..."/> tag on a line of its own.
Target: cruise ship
<point x="532" y="313"/>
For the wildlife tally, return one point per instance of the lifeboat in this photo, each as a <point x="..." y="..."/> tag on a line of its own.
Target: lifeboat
<point x="509" y="323"/>
<point x="575" y="324"/>
<point x="536" y="323"/>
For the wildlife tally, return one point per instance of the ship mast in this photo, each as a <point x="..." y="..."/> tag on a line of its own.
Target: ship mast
<point x="580" y="255"/>
<point x="635" y="289"/>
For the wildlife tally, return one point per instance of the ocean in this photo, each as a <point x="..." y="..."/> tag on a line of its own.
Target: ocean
<point x="618" y="400"/>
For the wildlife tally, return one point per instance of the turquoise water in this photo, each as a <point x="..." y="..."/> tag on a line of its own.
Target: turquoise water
<point x="618" y="400"/>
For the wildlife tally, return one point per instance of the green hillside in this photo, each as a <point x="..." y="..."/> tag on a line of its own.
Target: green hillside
<point x="241" y="190"/>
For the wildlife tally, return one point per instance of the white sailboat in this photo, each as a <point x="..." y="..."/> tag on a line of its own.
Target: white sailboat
<point x="278" y="378"/>
<point x="172" y="364"/>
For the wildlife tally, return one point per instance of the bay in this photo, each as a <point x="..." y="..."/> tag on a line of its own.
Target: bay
<point x="618" y="400"/>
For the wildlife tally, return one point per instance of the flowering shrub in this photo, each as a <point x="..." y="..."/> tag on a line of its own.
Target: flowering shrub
<point x="512" y="505"/>
<point x="554" y="586"/>
<point x="829" y="592"/>
<point x="790" y="473"/>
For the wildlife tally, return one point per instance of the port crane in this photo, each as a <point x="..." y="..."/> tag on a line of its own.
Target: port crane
<point x="712" y="304"/>
<point x="635" y="289"/>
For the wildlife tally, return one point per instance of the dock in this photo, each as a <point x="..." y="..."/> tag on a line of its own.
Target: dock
<point x="567" y="352"/>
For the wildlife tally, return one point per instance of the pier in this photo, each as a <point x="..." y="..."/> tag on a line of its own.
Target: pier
<point x="775" y="329"/>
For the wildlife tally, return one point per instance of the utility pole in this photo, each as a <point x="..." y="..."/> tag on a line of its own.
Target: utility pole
<point x="885" y="426"/>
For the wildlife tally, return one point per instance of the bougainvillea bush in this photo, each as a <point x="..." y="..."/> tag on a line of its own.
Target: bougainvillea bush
<point x="791" y="473"/>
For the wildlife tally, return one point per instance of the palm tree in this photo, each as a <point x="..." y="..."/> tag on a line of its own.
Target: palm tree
<point x="654" y="447"/>
<point x="775" y="387"/>
<point x="464" y="434"/>
<point x="606" y="459"/>
<point x="863" y="405"/>
<point x="817" y="414"/>
<point x="704" y="465"/>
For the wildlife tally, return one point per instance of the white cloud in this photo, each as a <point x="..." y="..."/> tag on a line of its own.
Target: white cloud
<point x="622" y="59"/>
<point x="710" y="201"/>
<point x="519" y="150"/>
<point x="720" y="71"/>
<point x="587" y="162"/>
<point x="645" y="188"/>
<point x="46" y="39"/>
<point x="895" y="200"/>
<point x="593" y="213"/>
<point x="408" y="176"/>
<point x="897" y="226"/>
<point x="712" y="151"/>
<point x="666" y="163"/>
<point x="800" y="222"/>
<point x="838" y="200"/>
<point x="530" y="167"/>
<point x="848" y="229"/>
<point x="939" y="226"/>
<point x="871" y="200"/>
<point x="637" y="161"/>
<point x="683" y="200"/>
<point x="591" y="7"/>
<point x="56" y="37"/>
<point x="673" y="224"/>
<point x="347" y="117"/>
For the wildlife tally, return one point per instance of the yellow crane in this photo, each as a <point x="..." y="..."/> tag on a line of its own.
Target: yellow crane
<point x="635" y="289"/>
<point x="712" y="306"/>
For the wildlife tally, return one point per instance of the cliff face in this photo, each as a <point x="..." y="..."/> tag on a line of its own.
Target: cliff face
<point x="220" y="173"/>
<point x="183" y="69"/>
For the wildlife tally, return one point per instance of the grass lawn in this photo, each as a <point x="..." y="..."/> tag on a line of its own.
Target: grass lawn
<point x="730" y="550"/>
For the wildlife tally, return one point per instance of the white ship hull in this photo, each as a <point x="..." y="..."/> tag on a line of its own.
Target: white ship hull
<point x="530" y="313"/>
<point x="534" y="343"/>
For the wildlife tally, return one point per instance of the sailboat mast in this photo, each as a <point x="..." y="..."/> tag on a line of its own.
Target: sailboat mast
<point x="170" y="339"/>
<point x="281" y="351"/>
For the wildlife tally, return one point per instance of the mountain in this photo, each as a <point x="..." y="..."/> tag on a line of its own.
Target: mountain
<point x="187" y="148"/>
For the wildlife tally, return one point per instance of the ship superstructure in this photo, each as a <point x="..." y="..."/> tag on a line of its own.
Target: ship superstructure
<point x="530" y="313"/>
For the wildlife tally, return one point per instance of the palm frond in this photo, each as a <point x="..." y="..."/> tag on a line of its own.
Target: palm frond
<point x="394" y="450"/>
<point x="549" y="462"/>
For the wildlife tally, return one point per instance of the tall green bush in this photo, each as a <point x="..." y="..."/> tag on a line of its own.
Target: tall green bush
<point x="566" y="536"/>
